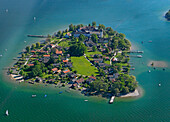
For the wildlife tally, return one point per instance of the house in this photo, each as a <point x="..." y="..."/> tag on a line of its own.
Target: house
<point x="89" y="80"/>
<point x="72" y="75"/>
<point x="57" y="64"/>
<point x="67" y="35"/>
<point x="58" y="52"/>
<point x="92" y="78"/>
<point x="98" y="60"/>
<point x="115" y="59"/>
<point x="68" y="64"/>
<point x="116" y="75"/>
<point x="54" y="70"/>
<point x="46" y="56"/>
<point x="103" y="40"/>
<point x="51" y="45"/>
<point x="89" y="43"/>
<point x="45" y="60"/>
<point x="103" y="65"/>
<point x="65" y="61"/>
<point x="55" y="56"/>
<point x="66" y="71"/>
<point x="34" y="56"/>
<point x="81" y="80"/>
<point x="107" y="58"/>
<point x="31" y="65"/>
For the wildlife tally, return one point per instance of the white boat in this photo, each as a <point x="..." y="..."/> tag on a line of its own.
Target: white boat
<point x="150" y="41"/>
<point x="5" y="49"/>
<point x="0" y="55"/>
<point x="159" y="84"/>
<point x="149" y="71"/>
<point x="34" y="18"/>
<point x="25" y="41"/>
<point x="6" y="113"/>
<point x="86" y="100"/>
<point x="6" y="10"/>
<point x="34" y="95"/>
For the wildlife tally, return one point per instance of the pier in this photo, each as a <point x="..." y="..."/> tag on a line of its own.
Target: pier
<point x="38" y="36"/>
<point x="112" y="99"/>
<point x="137" y="56"/>
<point x="135" y="51"/>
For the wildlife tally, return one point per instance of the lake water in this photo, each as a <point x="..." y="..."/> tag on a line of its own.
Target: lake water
<point x="140" y="20"/>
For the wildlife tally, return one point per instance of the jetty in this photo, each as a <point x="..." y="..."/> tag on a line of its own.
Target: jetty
<point x="38" y="36"/>
<point x="112" y="99"/>
<point x="137" y="56"/>
<point x="135" y="51"/>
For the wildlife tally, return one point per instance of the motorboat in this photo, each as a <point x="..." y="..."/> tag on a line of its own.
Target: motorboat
<point x="6" y="113"/>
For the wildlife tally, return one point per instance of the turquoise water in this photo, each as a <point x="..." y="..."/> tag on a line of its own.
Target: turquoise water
<point x="140" y="20"/>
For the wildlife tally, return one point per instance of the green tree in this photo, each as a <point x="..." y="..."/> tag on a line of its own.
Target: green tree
<point x="77" y="49"/>
<point x="28" y="49"/>
<point x="37" y="45"/>
<point x="94" y="48"/>
<point x="71" y="27"/>
<point x="23" y="55"/>
<point x="94" y="38"/>
<point x="33" y="46"/>
<point x="94" y="24"/>
<point x="82" y="37"/>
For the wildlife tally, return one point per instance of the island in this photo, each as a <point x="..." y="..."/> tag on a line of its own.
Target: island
<point x="93" y="59"/>
<point x="167" y="15"/>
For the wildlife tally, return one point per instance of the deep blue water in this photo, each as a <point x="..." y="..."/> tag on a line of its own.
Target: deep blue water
<point x="140" y="20"/>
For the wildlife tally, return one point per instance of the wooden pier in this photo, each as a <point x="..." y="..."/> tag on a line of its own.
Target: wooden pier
<point x="38" y="36"/>
<point x="135" y="51"/>
<point x="112" y="99"/>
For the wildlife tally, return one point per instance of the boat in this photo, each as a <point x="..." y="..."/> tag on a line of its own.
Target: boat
<point x="34" y="95"/>
<point x="85" y="100"/>
<point x="159" y="84"/>
<point x="149" y="71"/>
<point x="60" y="92"/>
<point x="25" y="41"/>
<point x="45" y="95"/>
<point x="5" y="49"/>
<point x="0" y="55"/>
<point x="34" y="18"/>
<point x="6" y="10"/>
<point x="112" y="99"/>
<point x="6" y="113"/>
<point x="150" y="41"/>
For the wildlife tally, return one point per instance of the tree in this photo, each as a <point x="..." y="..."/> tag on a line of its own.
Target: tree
<point x="82" y="37"/>
<point x="94" y="38"/>
<point x="37" y="45"/>
<point x="33" y="46"/>
<point x="116" y="91"/>
<point x="94" y="48"/>
<point x="77" y="49"/>
<point x="125" y="89"/>
<point x="23" y="55"/>
<point x="28" y="49"/>
<point x="71" y="27"/>
<point x="94" y="24"/>
<point x="107" y="50"/>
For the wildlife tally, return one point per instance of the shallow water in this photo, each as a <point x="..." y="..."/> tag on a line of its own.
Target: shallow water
<point x="139" y="20"/>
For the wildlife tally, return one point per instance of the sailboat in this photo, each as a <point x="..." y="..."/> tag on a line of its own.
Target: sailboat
<point x="6" y="113"/>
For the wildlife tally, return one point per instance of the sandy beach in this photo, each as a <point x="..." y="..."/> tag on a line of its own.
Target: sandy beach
<point x="158" y="64"/>
<point x="132" y="94"/>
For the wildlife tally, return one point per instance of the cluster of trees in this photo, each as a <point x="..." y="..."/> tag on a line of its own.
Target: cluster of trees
<point x="123" y="85"/>
<point x="33" y="46"/>
<point x="77" y="49"/>
<point x="75" y="27"/>
<point x="167" y="15"/>
<point x="119" y="42"/>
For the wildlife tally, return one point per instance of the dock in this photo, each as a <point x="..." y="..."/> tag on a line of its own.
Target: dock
<point x="135" y="51"/>
<point x="112" y="99"/>
<point x="38" y="36"/>
<point x="137" y="56"/>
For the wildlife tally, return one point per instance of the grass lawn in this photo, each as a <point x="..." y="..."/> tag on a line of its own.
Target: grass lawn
<point x="92" y="53"/>
<point x="64" y="44"/>
<point x="83" y="67"/>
